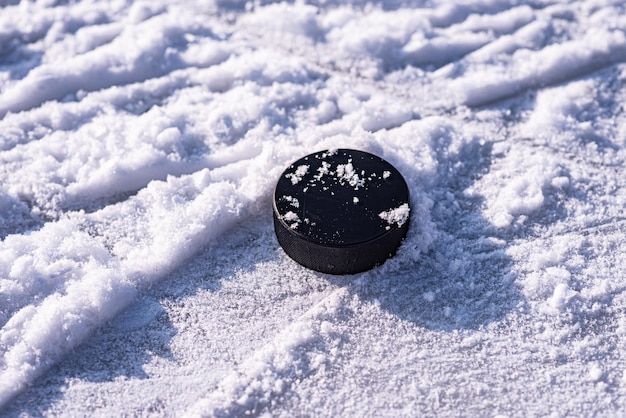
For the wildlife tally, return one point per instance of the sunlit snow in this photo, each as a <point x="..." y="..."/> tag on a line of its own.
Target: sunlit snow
<point x="140" y="143"/>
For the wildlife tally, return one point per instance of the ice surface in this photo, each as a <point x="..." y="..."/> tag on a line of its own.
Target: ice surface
<point x="140" y="143"/>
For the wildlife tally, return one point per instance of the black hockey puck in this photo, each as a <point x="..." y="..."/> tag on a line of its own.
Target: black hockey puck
<point x="341" y="211"/>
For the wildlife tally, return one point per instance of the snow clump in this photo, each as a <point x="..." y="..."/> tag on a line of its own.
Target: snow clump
<point x="397" y="216"/>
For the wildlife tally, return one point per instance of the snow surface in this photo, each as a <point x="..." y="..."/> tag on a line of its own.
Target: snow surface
<point x="140" y="142"/>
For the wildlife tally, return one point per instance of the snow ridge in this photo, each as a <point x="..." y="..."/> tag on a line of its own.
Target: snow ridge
<point x="297" y="352"/>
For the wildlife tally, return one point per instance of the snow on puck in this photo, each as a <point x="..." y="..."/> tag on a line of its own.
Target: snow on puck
<point x="341" y="211"/>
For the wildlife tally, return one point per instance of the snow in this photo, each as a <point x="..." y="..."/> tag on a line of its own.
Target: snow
<point x="346" y="174"/>
<point x="296" y="176"/>
<point x="397" y="215"/>
<point x="140" y="144"/>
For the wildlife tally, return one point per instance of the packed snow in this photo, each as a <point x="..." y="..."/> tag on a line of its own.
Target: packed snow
<point x="140" y="142"/>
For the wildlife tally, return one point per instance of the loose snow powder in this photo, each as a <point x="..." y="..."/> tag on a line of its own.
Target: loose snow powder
<point x="296" y="176"/>
<point x="397" y="216"/>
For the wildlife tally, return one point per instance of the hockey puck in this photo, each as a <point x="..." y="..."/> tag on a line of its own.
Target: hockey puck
<point x="341" y="211"/>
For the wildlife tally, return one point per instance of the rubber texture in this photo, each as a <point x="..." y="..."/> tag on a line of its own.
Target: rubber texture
<point x="328" y="211"/>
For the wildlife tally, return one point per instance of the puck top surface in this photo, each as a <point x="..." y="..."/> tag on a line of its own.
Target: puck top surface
<point x="341" y="198"/>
